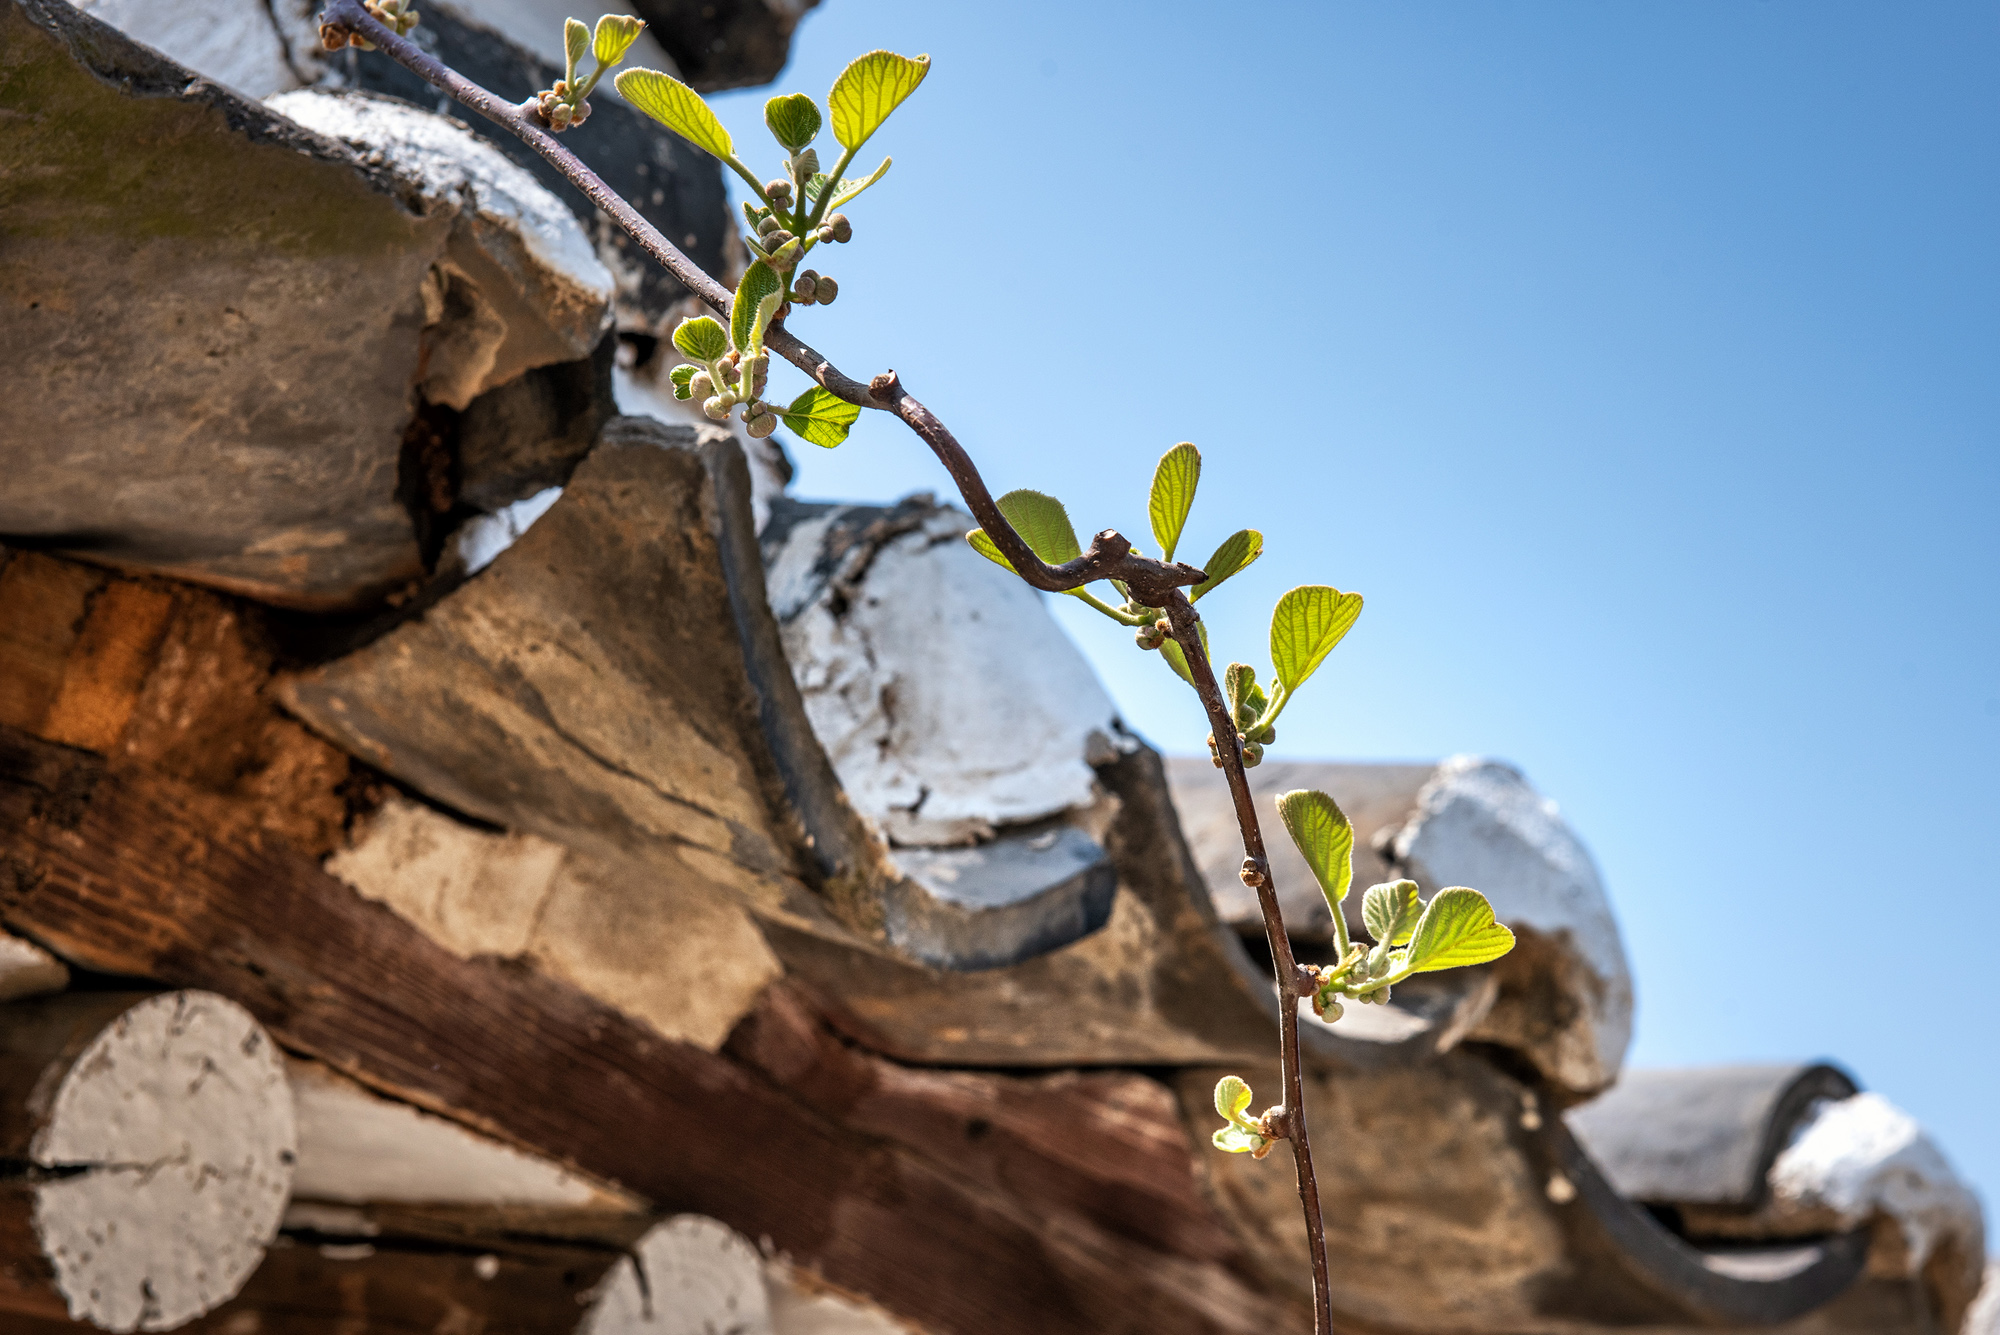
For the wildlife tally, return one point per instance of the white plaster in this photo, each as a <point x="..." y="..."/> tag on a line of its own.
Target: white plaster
<point x="1983" y="1317"/>
<point x="355" y="1147"/>
<point x="1862" y="1156"/>
<point x="180" y="1110"/>
<point x="947" y="697"/>
<point x="701" y="1278"/>
<point x="230" y="41"/>
<point x="448" y="161"/>
<point x="1478" y="823"/>
<point x="484" y="537"/>
<point x="800" y="1305"/>
<point x="26" y="970"/>
<point x="537" y="26"/>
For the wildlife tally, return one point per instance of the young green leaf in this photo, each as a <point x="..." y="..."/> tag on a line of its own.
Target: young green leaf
<point x="615" y="35"/>
<point x="847" y="189"/>
<point x="1043" y="524"/>
<point x="676" y="106"/>
<point x="1171" y="651"/>
<point x="1237" y="551"/>
<point x="757" y="296"/>
<point x="576" y="41"/>
<point x="680" y="375"/>
<point x="1235" y="1140"/>
<point x="820" y="418"/>
<point x="1391" y="911"/>
<point x="1320" y="829"/>
<point x="1232" y="1096"/>
<point x="1457" y="929"/>
<point x="868" y="90"/>
<point x="701" y="338"/>
<point x="793" y="120"/>
<point x="1174" y="482"/>
<point x="1238" y="681"/>
<point x="1305" y="626"/>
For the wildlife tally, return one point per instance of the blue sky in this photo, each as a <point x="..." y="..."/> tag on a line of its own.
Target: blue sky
<point x="1637" y="362"/>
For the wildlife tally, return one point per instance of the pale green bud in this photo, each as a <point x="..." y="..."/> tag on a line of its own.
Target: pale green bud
<point x="701" y="386"/>
<point x="717" y="410"/>
<point x="762" y="425"/>
<point x="825" y="290"/>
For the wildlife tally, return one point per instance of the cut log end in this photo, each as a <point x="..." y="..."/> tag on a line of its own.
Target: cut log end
<point x="689" y="1274"/>
<point x="162" y="1148"/>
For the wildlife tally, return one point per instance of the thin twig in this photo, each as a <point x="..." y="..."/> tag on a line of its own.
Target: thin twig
<point x="1110" y="556"/>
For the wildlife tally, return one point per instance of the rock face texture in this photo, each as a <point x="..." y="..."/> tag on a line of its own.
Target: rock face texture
<point x="208" y="361"/>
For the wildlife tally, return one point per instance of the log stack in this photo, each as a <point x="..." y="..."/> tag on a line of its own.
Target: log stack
<point x="475" y="856"/>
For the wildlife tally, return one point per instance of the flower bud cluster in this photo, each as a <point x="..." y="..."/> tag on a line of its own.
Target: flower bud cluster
<point x="560" y="107"/>
<point x="811" y="288"/>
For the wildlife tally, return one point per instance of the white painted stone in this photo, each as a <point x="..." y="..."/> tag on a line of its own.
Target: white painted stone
<point x="484" y="537"/>
<point x="1984" y="1316"/>
<point x="233" y="42"/>
<point x="1863" y="1156"/>
<point x="947" y="697"/>
<point x="519" y="258"/>
<point x="537" y="26"/>
<point x="358" y="1148"/>
<point x="1478" y="823"/>
<point x="700" y="1278"/>
<point x="180" y="1111"/>
<point x="26" y="970"/>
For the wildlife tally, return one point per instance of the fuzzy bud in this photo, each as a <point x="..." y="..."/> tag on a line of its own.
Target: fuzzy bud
<point x="806" y="286"/>
<point x="785" y="256"/>
<point x="824" y="233"/>
<point x="717" y="410"/>
<point x="1149" y="637"/>
<point x="779" y="190"/>
<point x="769" y="224"/>
<point x="701" y="385"/>
<point x="762" y="425"/>
<point x="825" y="290"/>
<point x="1253" y="755"/>
<point x="804" y="165"/>
<point x="843" y="230"/>
<point x="560" y="115"/>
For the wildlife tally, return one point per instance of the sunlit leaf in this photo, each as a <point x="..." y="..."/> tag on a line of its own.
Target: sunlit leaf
<point x="820" y="417"/>
<point x="615" y="35"/>
<point x="868" y="90"/>
<point x="849" y="189"/>
<point x="1305" y="626"/>
<point x="793" y="120"/>
<point x="1391" y="911"/>
<point x="576" y="41"/>
<point x="1173" y="494"/>
<point x="1324" y="838"/>
<point x="1239" y="680"/>
<point x="1457" y="929"/>
<point x="1235" y="1140"/>
<point x="680" y="375"/>
<point x="1232" y="1096"/>
<point x="701" y="338"/>
<point x="676" y="106"/>
<point x="1043" y="524"/>
<point x="757" y="297"/>
<point x="1237" y="551"/>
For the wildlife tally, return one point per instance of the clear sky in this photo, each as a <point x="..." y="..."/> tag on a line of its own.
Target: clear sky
<point x="1637" y="362"/>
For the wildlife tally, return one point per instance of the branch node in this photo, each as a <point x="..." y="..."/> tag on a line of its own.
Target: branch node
<point x="882" y="387"/>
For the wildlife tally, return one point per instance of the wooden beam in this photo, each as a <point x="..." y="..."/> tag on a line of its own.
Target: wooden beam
<point x="133" y="874"/>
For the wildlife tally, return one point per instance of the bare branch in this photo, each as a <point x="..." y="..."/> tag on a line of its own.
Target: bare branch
<point x="1110" y="556"/>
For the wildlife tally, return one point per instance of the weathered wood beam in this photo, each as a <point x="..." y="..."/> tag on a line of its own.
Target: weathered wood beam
<point x="131" y="874"/>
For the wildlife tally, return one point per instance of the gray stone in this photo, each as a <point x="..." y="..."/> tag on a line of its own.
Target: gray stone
<point x="217" y="381"/>
<point x="1701" y="1136"/>
<point x="725" y="43"/>
<point x="1024" y="893"/>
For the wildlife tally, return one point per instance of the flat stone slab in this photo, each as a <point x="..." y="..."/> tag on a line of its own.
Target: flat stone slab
<point x="1024" y="893"/>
